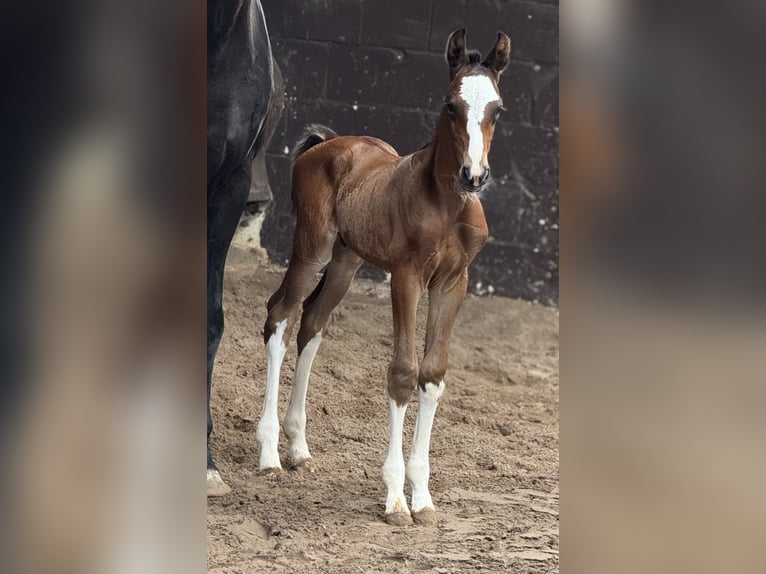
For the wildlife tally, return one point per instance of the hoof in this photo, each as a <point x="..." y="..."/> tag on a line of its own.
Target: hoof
<point x="271" y="471"/>
<point x="399" y="519"/>
<point x="305" y="465"/>
<point x="427" y="516"/>
<point x="215" y="484"/>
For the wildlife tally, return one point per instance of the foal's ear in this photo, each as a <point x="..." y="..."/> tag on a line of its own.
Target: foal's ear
<point x="455" y="52"/>
<point x="498" y="58"/>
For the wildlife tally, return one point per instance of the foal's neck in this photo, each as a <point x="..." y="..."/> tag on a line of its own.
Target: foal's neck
<point x="444" y="162"/>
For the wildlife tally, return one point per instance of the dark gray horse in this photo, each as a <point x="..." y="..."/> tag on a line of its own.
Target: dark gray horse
<point x="240" y="83"/>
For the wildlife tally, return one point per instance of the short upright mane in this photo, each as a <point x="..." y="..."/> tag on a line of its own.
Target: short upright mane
<point x="474" y="57"/>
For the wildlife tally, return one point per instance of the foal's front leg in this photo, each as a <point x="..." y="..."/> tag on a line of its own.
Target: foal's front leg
<point x="444" y="303"/>
<point x="402" y="380"/>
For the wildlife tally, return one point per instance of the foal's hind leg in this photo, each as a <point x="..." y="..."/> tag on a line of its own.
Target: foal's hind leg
<point x="316" y="313"/>
<point x="311" y="252"/>
<point x="444" y="303"/>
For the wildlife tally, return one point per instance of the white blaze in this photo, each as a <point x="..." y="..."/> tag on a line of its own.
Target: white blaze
<point x="477" y="92"/>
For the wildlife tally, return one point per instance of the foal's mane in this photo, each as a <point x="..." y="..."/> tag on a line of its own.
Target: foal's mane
<point x="425" y="145"/>
<point x="474" y="57"/>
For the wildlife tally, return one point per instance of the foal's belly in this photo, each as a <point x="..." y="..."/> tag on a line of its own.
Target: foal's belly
<point x="366" y="228"/>
<point x="363" y="214"/>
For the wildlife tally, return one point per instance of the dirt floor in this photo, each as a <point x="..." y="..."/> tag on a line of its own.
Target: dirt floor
<point x="494" y="450"/>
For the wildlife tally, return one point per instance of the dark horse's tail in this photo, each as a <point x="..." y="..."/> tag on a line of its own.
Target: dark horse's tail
<point x="313" y="135"/>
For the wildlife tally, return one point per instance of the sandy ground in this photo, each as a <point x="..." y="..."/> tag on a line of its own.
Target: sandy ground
<point x="494" y="451"/>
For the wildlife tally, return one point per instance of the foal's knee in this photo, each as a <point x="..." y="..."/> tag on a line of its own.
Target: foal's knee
<point x="311" y="324"/>
<point x="279" y="319"/>
<point x="269" y="328"/>
<point x="402" y="381"/>
<point x="432" y="370"/>
<point x="306" y="333"/>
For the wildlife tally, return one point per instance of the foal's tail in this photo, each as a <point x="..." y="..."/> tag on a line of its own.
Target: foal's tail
<point x="313" y="135"/>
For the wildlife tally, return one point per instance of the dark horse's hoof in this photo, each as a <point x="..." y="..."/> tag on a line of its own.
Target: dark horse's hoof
<point x="215" y="484"/>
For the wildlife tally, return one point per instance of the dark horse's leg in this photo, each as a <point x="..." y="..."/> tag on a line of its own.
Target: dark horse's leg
<point x="240" y="76"/>
<point x="225" y="204"/>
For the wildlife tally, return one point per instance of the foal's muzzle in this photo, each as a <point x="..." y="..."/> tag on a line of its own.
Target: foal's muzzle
<point x="473" y="183"/>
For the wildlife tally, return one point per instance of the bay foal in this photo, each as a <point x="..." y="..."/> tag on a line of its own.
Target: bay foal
<point x="416" y="216"/>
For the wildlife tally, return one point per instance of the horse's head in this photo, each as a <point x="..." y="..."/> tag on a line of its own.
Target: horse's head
<point x="473" y="104"/>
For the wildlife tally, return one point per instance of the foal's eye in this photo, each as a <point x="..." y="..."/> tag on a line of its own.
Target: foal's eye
<point x="497" y="113"/>
<point x="450" y="108"/>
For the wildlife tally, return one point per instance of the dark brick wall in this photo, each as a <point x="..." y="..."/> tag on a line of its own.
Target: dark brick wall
<point x="376" y="67"/>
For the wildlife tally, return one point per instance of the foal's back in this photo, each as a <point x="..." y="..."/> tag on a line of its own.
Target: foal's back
<point x="359" y="188"/>
<point x="343" y="164"/>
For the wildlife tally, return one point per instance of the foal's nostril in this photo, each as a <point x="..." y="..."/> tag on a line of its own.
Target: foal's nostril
<point x="472" y="181"/>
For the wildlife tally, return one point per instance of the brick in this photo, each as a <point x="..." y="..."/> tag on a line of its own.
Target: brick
<point x="527" y="157"/>
<point x="304" y="67"/>
<point x="335" y="20"/>
<point x="515" y="270"/>
<point x="536" y="224"/>
<point x="528" y="140"/>
<point x="406" y="130"/>
<point x="546" y="96"/>
<point x="299" y="113"/>
<point x="397" y="23"/>
<point x="279" y="223"/>
<point x="501" y="202"/>
<point x="480" y="18"/>
<point x="533" y="28"/>
<point x="387" y="76"/>
<point x="517" y="91"/>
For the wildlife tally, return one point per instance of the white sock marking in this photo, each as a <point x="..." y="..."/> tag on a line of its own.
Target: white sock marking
<point x="418" y="467"/>
<point x="477" y="92"/>
<point x="268" y="427"/>
<point x="393" y="468"/>
<point x="295" y="419"/>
